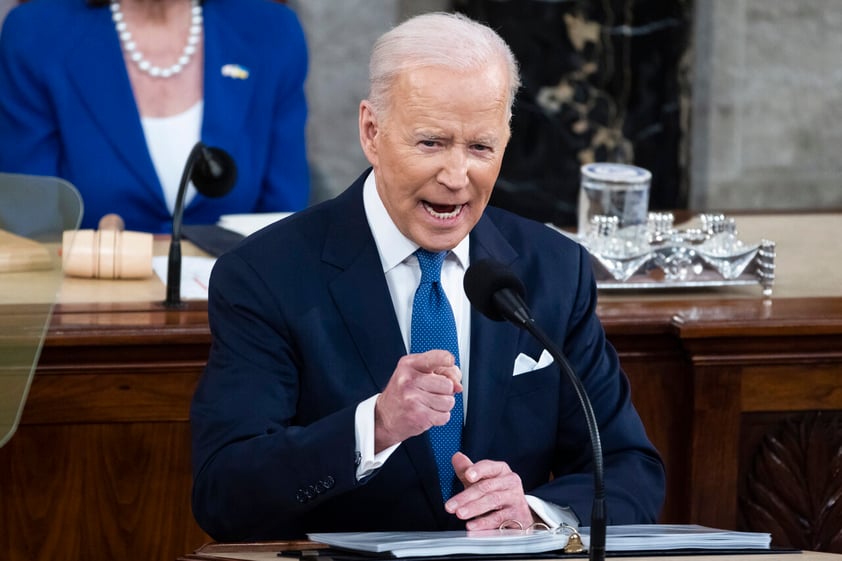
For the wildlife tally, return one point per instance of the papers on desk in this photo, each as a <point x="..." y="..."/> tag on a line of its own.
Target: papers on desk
<point x="642" y="537"/>
<point x="195" y="274"/>
<point x="247" y="224"/>
<point x="427" y="544"/>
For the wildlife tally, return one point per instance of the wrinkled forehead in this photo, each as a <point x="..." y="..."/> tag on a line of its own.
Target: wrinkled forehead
<point x="486" y="87"/>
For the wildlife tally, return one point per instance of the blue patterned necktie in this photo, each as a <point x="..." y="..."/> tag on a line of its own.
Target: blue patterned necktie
<point x="433" y="327"/>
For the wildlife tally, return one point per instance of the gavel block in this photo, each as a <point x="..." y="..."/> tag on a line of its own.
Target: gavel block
<point x="107" y="253"/>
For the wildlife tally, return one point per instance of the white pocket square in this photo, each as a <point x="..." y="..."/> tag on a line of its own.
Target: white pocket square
<point x="525" y="363"/>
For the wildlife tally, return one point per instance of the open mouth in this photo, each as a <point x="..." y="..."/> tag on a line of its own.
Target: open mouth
<point x="443" y="212"/>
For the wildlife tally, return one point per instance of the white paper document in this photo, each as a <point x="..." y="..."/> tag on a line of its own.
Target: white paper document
<point x="643" y="537"/>
<point x="637" y="537"/>
<point x="424" y="544"/>
<point x="247" y="224"/>
<point x="195" y="274"/>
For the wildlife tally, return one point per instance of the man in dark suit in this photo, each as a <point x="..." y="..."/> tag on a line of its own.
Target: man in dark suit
<point x="317" y="406"/>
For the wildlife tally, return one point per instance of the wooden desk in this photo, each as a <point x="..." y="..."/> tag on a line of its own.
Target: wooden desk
<point x="742" y="397"/>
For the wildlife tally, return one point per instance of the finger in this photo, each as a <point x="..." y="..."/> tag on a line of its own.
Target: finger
<point x="493" y="506"/>
<point x="461" y="463"/>
<point x="494" y="520"/>
<point x="437" y="384"/>
<point x="441" y="405"/>
<point x="486" y="494"/>
<point x="422" y="397"/>
<point x="436" y="361"/>
<point x="485" y="504"/>
<point x="452" y="373"/>
<point x="486" y="469"/>
<point x="431" y="360"/>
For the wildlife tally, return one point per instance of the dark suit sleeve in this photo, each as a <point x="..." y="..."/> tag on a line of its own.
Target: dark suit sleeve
<point x="259" y="466"/>
<point x="634" y="473"/>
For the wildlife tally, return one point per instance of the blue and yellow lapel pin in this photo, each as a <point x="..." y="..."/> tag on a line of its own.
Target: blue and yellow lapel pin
<point x="235" y="71"/>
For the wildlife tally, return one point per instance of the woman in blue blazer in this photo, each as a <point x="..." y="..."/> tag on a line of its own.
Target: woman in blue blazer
<point x="97" y="93"/>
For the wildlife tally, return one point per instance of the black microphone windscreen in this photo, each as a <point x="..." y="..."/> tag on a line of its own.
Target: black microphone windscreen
<point x="214" y="172"/>
<point x="484" y="279"/>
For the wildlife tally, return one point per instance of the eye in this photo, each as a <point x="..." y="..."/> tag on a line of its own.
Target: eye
<point x="429" y="143"/>
<point x="481" y="148"/>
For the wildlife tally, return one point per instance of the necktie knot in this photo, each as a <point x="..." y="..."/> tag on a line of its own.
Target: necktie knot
<point x="430" y="264"/>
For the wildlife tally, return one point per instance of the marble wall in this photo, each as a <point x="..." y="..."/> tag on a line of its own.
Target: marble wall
<point x="602" y="82"/>
<point x="767" y="103"/>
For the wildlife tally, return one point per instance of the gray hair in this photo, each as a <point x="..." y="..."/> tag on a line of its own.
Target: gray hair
<point x="437" y="39"/>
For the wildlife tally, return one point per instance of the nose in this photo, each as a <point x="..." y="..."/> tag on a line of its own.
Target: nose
<point x="454" y="170"/>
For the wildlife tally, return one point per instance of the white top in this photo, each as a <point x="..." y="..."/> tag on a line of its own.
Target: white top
<point x="170" y="140"/>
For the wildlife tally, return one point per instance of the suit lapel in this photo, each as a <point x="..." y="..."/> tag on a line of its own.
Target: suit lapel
<point x="98" y="74"/>
<point x="360" y="292"/>
<point x="493" y="346"/>
<point x="362" y="298"/>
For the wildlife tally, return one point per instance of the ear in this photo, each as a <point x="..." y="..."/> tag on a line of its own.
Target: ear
<point x="369" y="130"/>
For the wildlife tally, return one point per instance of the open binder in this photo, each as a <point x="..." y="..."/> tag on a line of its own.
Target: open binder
<point x="648" y="538"/>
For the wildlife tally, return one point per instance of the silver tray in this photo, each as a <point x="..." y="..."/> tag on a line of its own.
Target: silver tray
<point x="660" y="256"/>
<point x="700" y="281"/>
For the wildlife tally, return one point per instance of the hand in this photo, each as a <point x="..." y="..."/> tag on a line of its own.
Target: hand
<point x="493" y="494"/>
<point x="419" y="395"/>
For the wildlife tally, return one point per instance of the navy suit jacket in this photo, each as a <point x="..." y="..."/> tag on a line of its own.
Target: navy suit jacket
<point x="304" y="330"/>
<point x="67" y="109"/>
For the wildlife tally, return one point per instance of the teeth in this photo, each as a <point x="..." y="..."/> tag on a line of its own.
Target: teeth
<point x="443" y="215"/>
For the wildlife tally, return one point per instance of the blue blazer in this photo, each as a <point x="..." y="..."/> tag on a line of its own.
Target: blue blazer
<point x="304" y="329"/>
<point x="67" y="109"/>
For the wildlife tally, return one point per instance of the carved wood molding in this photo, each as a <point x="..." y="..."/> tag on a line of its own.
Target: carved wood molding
<point x="794" y="485"/>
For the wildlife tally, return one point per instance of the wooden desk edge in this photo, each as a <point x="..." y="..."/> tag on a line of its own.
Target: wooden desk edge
<point x="216" y="552"/>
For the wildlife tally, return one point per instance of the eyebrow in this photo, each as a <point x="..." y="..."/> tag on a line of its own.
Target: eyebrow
<point x="486" y="140"/>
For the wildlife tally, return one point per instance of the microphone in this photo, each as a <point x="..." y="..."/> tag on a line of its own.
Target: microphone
<point x="213" y="173"/>
<point x="497" y="293"/>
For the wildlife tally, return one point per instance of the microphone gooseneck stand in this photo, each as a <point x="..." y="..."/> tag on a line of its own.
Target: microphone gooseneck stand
<point x="213" y="173"/>
<point x="596" y="546"/>
<point x="498" y="294"/>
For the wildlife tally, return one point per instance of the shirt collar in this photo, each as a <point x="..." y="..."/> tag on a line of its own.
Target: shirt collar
<point x="394" y="248"/>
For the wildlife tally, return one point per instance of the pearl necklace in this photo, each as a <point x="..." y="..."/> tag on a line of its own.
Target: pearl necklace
<point x="135" y="55"/>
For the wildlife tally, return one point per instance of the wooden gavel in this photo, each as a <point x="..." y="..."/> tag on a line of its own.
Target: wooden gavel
<point x="107" y="253"/>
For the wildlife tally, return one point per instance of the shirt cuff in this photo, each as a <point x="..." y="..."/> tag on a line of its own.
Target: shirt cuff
<point x="368" y="461"/>
<point x="551" y="514"/>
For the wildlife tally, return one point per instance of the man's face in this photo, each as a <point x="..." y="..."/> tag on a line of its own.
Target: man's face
<point x="437" y="151"/>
